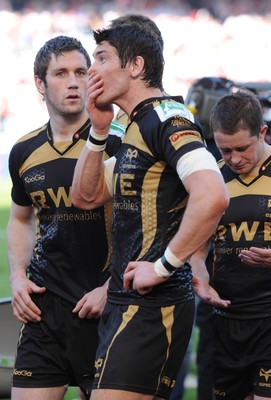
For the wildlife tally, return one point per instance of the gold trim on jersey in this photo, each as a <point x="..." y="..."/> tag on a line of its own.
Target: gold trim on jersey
<point x="46" y="153"/>
<point x="62" y="146"/>
<point x="31" y="134"/>
<point x="43" y="154"/>
<point x="236" y="188"/>
<point x="133" y="136"/>
<point x="148" y="204"/>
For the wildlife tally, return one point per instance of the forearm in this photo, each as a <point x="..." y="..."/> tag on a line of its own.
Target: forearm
<point x="20" y="244"/>
<point x="196" y="228"/>
<point x="89" y="189"/>
<point x="208" y="199"/>
<point x="198" y="262"/>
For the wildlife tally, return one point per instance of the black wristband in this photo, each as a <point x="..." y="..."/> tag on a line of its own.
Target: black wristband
<point x="96" y="142"/>
<point x="167" y="265"/>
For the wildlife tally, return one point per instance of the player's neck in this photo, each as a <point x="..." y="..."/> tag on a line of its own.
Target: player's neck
<point x="260" y="165"/>
<point x="64" y="129"/>
<point x="133" y="97"/>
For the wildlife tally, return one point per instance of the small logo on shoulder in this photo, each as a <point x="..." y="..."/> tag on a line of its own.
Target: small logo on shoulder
<point x="131" y="154"/>
<point x="169" y="109"/>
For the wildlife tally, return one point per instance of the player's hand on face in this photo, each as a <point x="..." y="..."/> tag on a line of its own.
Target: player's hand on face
<point x="141" y="276"/>
<point x="100" y="115"/>
<point x="24" y="309"/>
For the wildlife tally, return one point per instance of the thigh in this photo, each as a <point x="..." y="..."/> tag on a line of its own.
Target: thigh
<point x="58" y="351"/>
<point x="262" y="359"/>
<point x="52" y="393"/>
<point x="233" y="364"/>
<point x="113" y="394"/>
<point x="141" y="348"/>
<point x="40" y="360"/>
<point x="82" y="343"/>
<point x="204" y="351"/>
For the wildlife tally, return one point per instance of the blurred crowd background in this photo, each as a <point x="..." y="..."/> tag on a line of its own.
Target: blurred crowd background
<point x="218" y="38"/>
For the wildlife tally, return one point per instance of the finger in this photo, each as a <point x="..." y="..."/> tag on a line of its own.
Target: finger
<point x="78" y="306"/>
<point x="93" y="314"/>
<point x="28" y="300"/>
<point x="244" y="257"/>
<point x="17" y="314"/>
<point x="83" y="308"/>
<point x="31" y="316"/>
<point x="89" y="312"/>
<point x="128" y="278"/>
<point x="94" y="77"/>
<point x="24" y="316"/>
<point x="30" y="309"/>
<point x="94" y="82"/>
<point x="18" y="308"/>
<point x="83" y="313"/>
<point x="143" y="290"/>
<point x="130" y="267"/>
<point x="27" y="308"/>
<point x="221" y="303"/>
<point x="21" y="319"/>
<point x="258" y="250"/>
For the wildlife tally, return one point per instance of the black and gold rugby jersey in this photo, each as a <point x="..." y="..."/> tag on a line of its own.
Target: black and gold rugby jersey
<point x="72" y="246"/>
<point x="149" y="198"/>
<point x="246" y="223"/>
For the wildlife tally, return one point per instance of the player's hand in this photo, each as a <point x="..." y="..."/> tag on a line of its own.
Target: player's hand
<point x="256" y="256"/>
<point x="24" y="309"/>
<point x="92" y="304"/>
<point x="207" y="293"/>
<point x="141" y="276"/>
<point x="100" y="114"/>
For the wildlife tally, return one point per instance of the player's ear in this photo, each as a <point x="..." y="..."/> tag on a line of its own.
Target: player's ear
<point x="40" y="85"/>
<point x="137" y="66"/>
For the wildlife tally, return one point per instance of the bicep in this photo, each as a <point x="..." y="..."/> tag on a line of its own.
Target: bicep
<point x="208" y="199"/>
<point x="206" y="184"/>
<point x="201" y="176"/>
<point x="196" y="160"/>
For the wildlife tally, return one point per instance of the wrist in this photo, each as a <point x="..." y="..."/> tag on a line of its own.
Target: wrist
<point x="167" y="264"/>
<point x="17" y="274"/>
<point x="96" y="142"/>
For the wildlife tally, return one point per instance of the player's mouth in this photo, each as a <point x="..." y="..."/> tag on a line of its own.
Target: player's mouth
<point x="73" y="97"/>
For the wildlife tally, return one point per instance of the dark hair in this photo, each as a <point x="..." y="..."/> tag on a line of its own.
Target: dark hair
<point x="144" y="21"/>
<point x="235" y="111"/>
<point x="56" y="46"/>
<point x="131" y="40"/>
